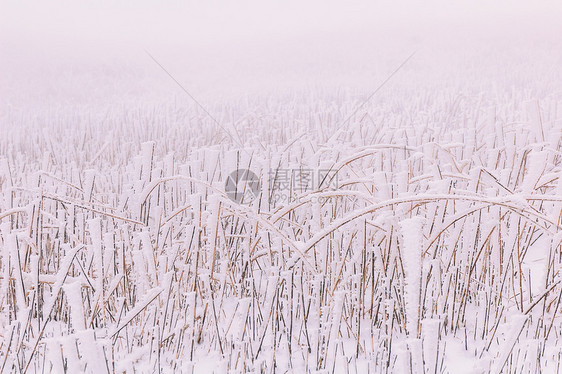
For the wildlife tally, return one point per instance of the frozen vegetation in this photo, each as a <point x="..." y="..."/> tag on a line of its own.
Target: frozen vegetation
<point x="434" y="244"/>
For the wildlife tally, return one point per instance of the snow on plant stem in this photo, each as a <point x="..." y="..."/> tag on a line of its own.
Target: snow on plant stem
<point x="411" y="252"/>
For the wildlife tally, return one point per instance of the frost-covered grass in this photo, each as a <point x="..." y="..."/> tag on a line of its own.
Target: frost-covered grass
<point x="439" y="248"/>
<point x="435" y="245"/>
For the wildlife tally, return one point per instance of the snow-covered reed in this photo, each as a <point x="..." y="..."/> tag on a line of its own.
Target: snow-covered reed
<point x="438" y="249"/>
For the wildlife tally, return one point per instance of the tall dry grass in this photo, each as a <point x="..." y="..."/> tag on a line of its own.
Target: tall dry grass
<point x="439" y="245"/>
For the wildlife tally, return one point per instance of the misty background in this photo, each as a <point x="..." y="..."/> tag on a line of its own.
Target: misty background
<point x="95" y="54"/>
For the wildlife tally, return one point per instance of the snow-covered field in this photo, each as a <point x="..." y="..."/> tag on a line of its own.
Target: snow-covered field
<point x="408" y="229"/>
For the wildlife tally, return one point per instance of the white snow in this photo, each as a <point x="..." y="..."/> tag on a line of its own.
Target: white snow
<point x="436" y="246"/>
